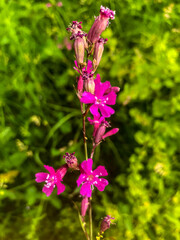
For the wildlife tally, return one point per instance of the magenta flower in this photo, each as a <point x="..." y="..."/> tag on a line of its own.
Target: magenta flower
<point x="100" y="100"/>
<point x="89" y="178"/>
<point x="100" y="24"/>
<point x="59" y="4"/>
<point x="48" y="5"/>
<point x="89" y="67"/>
<point x="52" y="179"/>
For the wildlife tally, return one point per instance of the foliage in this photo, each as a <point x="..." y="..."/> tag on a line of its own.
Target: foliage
<point x="39" y="119"/>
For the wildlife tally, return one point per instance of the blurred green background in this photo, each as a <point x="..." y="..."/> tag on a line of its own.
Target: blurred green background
<point x="40" y="119"/>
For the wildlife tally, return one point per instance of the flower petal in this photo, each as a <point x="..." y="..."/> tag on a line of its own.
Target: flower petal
<point x="87" y="98"/>
<point x="81" y="179"/>
<point x="50" y="169"/>
<point x="98" y="79"/>
<point x="86" y="189"/>
<point x="87" y="166"/>
<point x="94" y="110"/>
<point x="60" y="187"/>
<point x="106" y="111"/>
<point x="100" y="88"/>
<point x="48" y="190"/>
<point x="100" y="171"/>
<point x="101" y="183"/>
<point x="41" y="177"/>
<point x="89" y="66"/>
<point x="111" y="98"/>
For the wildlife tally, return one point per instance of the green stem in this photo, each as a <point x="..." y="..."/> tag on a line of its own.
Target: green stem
<point x="84" y="137"/>
<point x="90" y="220"/>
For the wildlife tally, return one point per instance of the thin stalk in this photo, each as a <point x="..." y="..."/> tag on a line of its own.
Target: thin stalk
<point x="90" y="220"/>
<point x="84" y="137"/>
<point x="92" y="152"/>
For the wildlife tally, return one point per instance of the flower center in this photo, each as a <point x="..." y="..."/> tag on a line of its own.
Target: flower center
<point x="50" y="181"/>
<point x="91" y="177"/>
<point x="101" y="100"/>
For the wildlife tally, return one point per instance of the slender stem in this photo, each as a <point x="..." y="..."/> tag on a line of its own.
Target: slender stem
<point x="85" y="138"/>
<point x="90" y="220"/>
<point x="92" y="152"/>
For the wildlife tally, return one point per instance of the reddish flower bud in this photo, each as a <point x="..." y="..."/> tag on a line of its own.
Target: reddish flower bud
<point x="84" y="206"/>
<point x="100" y="132"/>
<point x="114" y="89"/>
<point x="80" y="86"/>
<point x="100" y="24"/>
<point x="98" y="51"/>
<point x="63" y="170"/>
<point x="110" y="133"/>
<point x="105" y="224"/>
<point x="71" y="161"/>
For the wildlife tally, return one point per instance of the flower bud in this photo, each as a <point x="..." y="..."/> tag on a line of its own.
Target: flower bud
<point x="105" y="224"/>
<point x="98" y="51"/>
<point x="63" y="170"/>
<point x="80" y="86"/>
<point x="71" y="161"/>
<point x="114" y="89"/>
<point x="79" y="48"/>
<point x="100" y="132"/>
<point x="84" y="206"/>
<point x="100" y="24"/>
<point x="110" y="133"/>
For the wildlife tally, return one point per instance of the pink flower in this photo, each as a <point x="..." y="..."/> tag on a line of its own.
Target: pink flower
<point x="52" y="179"/>
<point x="100" y="24"/>
<point x="59" y="4"/>
<point x="89" y="67"/>
<point x="100" y="100"/>
<point x="48" y="5"/>
<point x="89" y="178"/>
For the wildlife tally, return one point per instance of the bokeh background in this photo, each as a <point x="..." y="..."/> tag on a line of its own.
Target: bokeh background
<point x="40" y="119"/>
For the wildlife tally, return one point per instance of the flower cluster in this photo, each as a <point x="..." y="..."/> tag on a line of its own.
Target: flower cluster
<point x="98" y="98"/>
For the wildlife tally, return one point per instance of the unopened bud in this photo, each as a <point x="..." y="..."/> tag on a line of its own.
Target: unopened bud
<point x="105" y="224"/>
<point x="98" y="51"/>
<point x="63" y="170"/>
<point x="84" y="206"/>
<point x="112" y="89"/>
<point x="100" y="132"/>
<point x="80" y="86"/>
<point x="110" y="133"/>
<point x="79" y="49"/>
